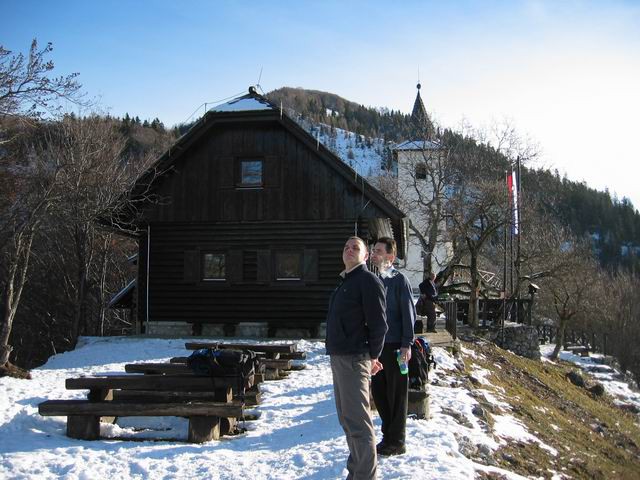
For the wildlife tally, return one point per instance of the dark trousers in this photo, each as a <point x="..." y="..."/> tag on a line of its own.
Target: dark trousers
<point x="430" y="308"/>
<point x="390" y="391"/>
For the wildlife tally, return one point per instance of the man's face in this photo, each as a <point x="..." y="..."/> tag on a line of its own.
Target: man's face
<point x="354" y="253"/>
<point x="380" y="257"/>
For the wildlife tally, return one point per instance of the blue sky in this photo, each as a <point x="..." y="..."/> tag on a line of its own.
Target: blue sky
<point x="564" y="73"/>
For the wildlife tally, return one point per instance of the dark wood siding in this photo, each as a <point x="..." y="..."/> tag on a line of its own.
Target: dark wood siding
<point x="307" y="203"/>
<point x="298" y="184"/>
<point x="247" y="297"/>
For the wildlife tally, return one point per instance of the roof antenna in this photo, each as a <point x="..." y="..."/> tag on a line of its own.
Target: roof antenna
<point x="258" y="83"/>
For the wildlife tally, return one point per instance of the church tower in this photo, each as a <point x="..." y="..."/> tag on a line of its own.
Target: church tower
<point x="423" y="128"/>
<point x="416" y="160"/>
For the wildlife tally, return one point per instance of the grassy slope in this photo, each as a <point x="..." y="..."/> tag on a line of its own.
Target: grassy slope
<point x="594" y="438"/>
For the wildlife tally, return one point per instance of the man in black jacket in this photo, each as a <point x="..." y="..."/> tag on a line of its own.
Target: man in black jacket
<point x="429" y="294"/>
<point x="356" y="326"/>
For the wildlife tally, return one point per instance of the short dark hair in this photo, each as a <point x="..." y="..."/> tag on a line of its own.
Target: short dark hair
<point x="366" y="247"/>
<point x="389" y="243"/>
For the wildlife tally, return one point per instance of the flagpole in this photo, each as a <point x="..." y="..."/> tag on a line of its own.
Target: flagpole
<point x="519" y="222"/>
<point x="504" y="264"/>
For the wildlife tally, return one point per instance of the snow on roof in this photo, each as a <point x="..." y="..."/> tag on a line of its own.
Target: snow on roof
<point x="418" y="145"/>
<point x="242" y="104"/>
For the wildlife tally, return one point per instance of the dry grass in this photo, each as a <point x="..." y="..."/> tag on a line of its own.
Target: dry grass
<point x="594" y="438"/>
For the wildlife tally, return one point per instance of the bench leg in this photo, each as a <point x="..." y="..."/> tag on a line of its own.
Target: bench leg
<point x="102" y="395"/>
<point x="228" y="425"/>
<point x="203" y="429"/>
<point x="418" y="403"/>
<point x="84" y="427"/>
<point x="272" y="374"/>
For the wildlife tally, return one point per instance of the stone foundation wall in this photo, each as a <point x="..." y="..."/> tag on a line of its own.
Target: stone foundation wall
<point x="519" y="339"/>
<point x="242" y="329"/>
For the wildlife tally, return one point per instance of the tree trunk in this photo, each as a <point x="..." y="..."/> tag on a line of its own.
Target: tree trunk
<point x="103" y="283"/>
<point x="562" y="327"/>
<point x="16" y="278"/>
<point x="473" y="296"/>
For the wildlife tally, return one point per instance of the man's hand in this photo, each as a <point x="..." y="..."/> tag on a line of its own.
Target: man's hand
<point x="405" y="354"/>
<point x="376" y="366"/>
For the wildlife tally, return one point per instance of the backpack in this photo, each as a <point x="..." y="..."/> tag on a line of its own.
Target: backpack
<point x="218" y="363"/>
<point x="420" y="363"/>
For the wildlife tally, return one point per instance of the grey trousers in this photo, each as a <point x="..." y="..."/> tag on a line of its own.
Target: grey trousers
<point x="351" y="376"/>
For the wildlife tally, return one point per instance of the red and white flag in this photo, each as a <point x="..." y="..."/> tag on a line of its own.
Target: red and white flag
<point x="512" y="184"/>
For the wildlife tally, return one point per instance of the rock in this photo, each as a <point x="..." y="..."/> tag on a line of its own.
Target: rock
<point x="479" y="412"/>
<point x="575" y="378"/>
<point x="10" y="370"/>
<point x="629" y="407"/>
<point x="597" y="390"/>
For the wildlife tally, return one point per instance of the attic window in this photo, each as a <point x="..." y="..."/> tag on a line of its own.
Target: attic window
<point x="250" y="172"/>
<point x="421" y="171"/>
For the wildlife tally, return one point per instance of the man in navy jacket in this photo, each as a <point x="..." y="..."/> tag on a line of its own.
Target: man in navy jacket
<point x="356" y="326"/>
<point x="390" y="387"/>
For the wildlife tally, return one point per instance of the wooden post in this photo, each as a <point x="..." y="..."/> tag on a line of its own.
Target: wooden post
<point x="102" y="395"/>
<point x="203" y="429"/>
<point x="418" y="403"/>
<point x="83" y="427"/>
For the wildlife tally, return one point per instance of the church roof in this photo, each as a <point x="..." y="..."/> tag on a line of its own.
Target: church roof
<point x="418" y="145"/>
<point x="419" y="113"/>
<point x="420" y="118"/>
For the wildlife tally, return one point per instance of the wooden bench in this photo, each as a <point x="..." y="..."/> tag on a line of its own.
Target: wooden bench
<point x="250" y="393"/>
<point x="175" y="368"/>
<point x="269" y="355"/>
<point x="116" y="393"/>
<point x="272" y="350"/>
<point x="83" y="416"/>
<point x="250" y="397"/>
<point x="294" y="356"/>
<point x="581" y="350"/>
<point x="100" y="387"/>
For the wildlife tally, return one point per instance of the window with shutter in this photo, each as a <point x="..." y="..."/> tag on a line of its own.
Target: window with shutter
<point x="288" y="266"/>
<point x="214" y="267"/>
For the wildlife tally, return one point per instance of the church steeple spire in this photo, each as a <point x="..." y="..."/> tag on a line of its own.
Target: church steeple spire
<point x="420" y="118"/>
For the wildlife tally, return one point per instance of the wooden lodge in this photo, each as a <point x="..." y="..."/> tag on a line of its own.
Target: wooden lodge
<point x="244" y="219"/>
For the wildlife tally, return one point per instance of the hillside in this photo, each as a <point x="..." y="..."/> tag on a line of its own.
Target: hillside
<point x="362" y="137"/>
<point x="493" y="415"/>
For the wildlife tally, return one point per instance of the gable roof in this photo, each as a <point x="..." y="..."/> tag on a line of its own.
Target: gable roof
<point x="419" y="145"/>
<point x="255" y="107"/>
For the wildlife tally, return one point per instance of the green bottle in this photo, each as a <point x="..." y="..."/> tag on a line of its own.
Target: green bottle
<point x="404" y="368"/>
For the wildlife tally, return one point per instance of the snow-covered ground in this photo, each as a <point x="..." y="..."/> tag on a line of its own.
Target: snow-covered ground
<point x="615" y="384"/>
<point x="296" y="436"/>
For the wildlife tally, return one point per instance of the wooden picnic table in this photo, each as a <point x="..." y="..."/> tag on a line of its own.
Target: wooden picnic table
<point x="83" y="416"/>
<point x="256" y="347"/>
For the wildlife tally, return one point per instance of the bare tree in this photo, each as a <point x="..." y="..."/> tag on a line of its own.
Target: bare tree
<point x="568" y="292"/>
<point x="28" y="90"/>
<point x="91" y="183"/>
<point x="618" y="313"/>
<point x="477" y="212"/>
<point x="28" y="191"/>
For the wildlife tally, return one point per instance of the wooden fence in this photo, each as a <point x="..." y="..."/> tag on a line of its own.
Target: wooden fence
<point x="491" y="312"/>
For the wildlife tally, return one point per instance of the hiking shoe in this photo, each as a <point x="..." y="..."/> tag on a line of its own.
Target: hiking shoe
<point x="389" y="450"/>
<point x="380" y="447"/>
